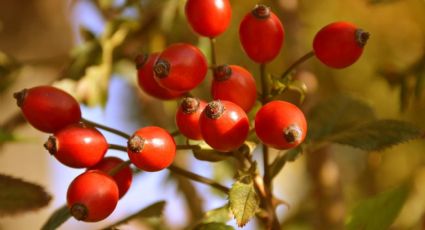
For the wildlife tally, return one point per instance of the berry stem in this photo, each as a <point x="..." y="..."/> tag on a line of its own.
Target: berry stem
<point x="266" y="188"/>
<point x="294" y="65"/>
<point x="192" y="147"/>
<point x="264" y="84"/>
<point x="117" y="147"/>
<point x="118" y="168"/>
<point x="213" y="53"/>
<point x="198" y="178"/>
<point x="106" y="128"/>
<point x="175" y="133"/>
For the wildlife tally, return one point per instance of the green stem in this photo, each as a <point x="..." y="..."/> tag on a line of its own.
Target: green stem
<point x="175" y="133"/>
<point x="118" y="168"/>
<point x="117" y="147"/>
<point x="296" y="64"/>
<point x="198" y="178"/>
<point x="264" y="84"/>
<point x="213" y="53"/>
<point x="192" y="147"/>
<point x="106" y="128"/>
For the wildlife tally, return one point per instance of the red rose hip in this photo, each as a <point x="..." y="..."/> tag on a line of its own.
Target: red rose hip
<point x="151" y="148"/>
<point x="146" y="80"/>
<point x="339" y="44"/>
<point x="77" y="146"/>
<point x="92" y="196"/>
<point x="47" y="108"/>
<point x="181" y="67"/>
<point x="123" y="177"/>
<point x="234" y="83"/>
<point x="208" y="18"/>
<point x="280" y="125"/>
<point x="187" y="117"/>
<point x="224" y="125"/>
<point x="261" y="34"/>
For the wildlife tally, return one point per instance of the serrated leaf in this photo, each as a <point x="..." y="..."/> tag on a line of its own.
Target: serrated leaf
<point x="209" y="155"/>
<point x="243" y="202"/>
<point x="337" y="114"/>
<point x="213" y="226"/>
<point x="377" y="135"/>
<point x="18" y="196"/>
<point x="58" y="217"/>
<point x="281" y="160"/>
<point x="379" y="212"/>
<point x="221" y="215"/>
<point x="153" y="210"/>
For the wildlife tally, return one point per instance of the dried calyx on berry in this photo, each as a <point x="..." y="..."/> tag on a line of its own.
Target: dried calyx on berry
<point x="222" y="72"/>
<point x="190" y="105"/>
<point x="162" y="68"/>
<point x="292" y="134"/>
<point x="136" y="143"/>
<point x="362" y="37"/>
<point x="214" y="109"/>
<point x="261" y="11"/>
<point x="79" y="211"/>
<point x="51" y="145"/>
<point x="20" y="97"/>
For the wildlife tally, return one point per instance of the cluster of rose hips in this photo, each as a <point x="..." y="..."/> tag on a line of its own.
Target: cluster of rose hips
<point x="222" y="123"/>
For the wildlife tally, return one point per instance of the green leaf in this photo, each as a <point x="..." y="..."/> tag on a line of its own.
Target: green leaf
<point x="209" y="155"/>
<point x="243" y="202"/>
<point x="213" y="226"/>
<point x="60" y="216"/>
<point x="221" y="214"/>
<point x="378" y="212"/>
<point x="18" y="196"/>
<point x="281" y="160"/>
<point x="377" y="135"/>
<point x="337" y="114"/>
<point x="153" y="210"/>
<point x="6" y="136"/>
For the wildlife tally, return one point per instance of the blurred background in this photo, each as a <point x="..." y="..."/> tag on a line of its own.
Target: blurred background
<point x="87" y="47"/>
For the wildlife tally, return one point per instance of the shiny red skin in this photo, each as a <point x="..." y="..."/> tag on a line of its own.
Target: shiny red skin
<point x="273" y="118"/>
<point x="239" y="88"/>
<point x="188" y="123"/>
<point x="261" y="39"/>
<point x="158" y="151"/>
<point x="229" y="131"/>
<point x="80" y="146"/>
<point x="336" y="46"/>
<point x="208" y="18"/>
<point x="97" y="191"/>
<point x="188" y="67"/>
<point x="50" y="109"/>
<point x="147" y="82"/>
<point x="123" y="178"/>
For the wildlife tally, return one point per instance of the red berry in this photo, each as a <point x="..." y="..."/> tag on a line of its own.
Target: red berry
<point x="123" y="177"/>
<point x="261" y="34"/>
<point x="146" y="80"/>
<point x="151" y="148"/>
<point x="339" y="44"/>
<point x="92" y="196"/>
<point x="187" y="117"/>
<point x="234" y="83"/>
<point x="47" y="108"/>
<point x="224" y="125"/>
<point x="77" y="146"/>
<point x="181" y="67"/>
<point x="280" y="125"/>
<point x="208" y="18"/>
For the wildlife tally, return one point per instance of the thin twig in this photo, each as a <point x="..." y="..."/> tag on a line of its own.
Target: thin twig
<point x="296" y="64"/>
<point x="198" y="178"/>
<point x="106" y="128"/>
